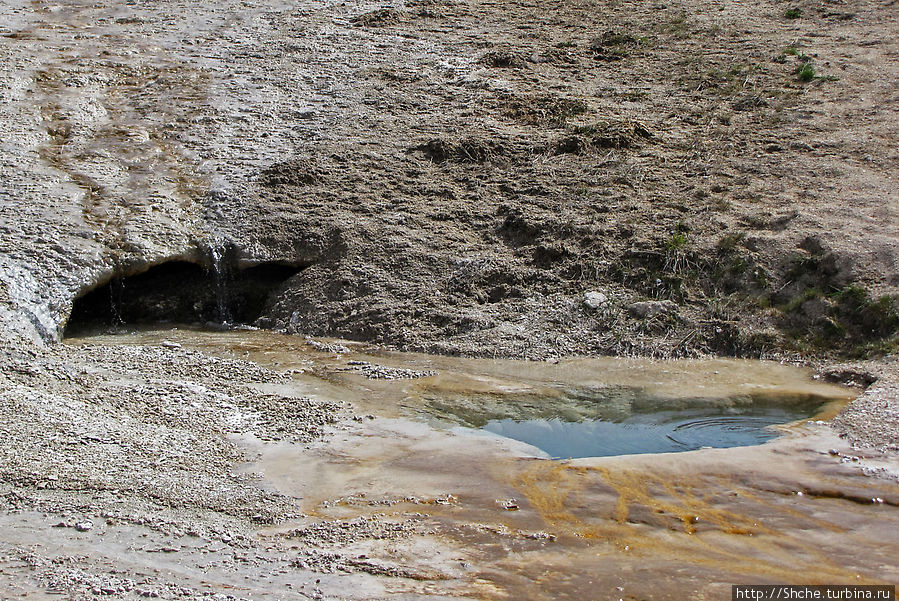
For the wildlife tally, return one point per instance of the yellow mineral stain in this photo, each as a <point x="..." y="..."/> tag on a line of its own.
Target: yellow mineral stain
<point x="738" y="543"/>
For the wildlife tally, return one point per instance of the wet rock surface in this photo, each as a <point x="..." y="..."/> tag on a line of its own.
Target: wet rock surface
<point x="381" y="372"/>
<point x="872" y="420"/>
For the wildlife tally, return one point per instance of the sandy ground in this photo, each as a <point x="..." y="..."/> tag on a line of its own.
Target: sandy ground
<point x="526" y="179"/>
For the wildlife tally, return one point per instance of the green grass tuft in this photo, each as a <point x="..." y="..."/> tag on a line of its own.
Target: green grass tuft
<point x="805" y="72"/>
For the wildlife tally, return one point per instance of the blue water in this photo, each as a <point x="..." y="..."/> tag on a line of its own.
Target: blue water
<point x="657" y="432"/>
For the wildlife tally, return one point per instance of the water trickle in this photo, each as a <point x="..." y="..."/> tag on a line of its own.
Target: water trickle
<point x="221" y="258"/>
<point x="116" y="293"/>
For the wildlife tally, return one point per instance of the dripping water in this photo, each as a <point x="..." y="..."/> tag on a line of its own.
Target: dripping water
<point x="116" y="293"/>
<point x="220" y="254"/>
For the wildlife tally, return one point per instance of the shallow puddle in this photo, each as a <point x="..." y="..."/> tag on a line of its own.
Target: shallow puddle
<point x="657" y="432"/>
<point x="567" y="422"/>
<point x="586" y="407"/>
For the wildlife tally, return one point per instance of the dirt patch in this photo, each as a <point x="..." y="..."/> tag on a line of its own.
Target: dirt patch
<point x="546" y="110"/>
<point x="465" y="151"/>
<point x="615" y="45"/>
<point x="290" y="173"/>
<point x="603" y="135"/>
<point x="502" y="59"/>
<point x="378" y="18"/>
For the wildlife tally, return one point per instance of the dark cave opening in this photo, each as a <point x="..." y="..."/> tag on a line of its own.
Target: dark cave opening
<point x="179" y="292"/>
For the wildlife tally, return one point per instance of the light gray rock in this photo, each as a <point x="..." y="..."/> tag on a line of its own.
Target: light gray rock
<point x="646" y="309"/>
<point x="595" y="300"/>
